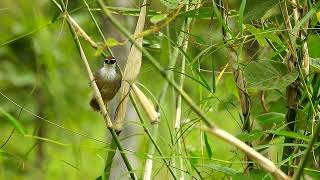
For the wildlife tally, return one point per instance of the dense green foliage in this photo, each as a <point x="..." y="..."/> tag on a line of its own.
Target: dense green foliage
<point x="249" y="74"/>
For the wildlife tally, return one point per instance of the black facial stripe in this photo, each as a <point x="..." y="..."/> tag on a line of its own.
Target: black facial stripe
<point x="110" y="61"/>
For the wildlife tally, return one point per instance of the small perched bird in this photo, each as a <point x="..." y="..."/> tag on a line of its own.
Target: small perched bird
<point x="108" y="79"/>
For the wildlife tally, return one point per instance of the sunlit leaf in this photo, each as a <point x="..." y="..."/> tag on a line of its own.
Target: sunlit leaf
<point x="158" y="18"/>
<point x="318" y="16"/>
<point x="112" y="42"/>
<point x="257" y="34"/>
<point x="313" y="45"/>
<point x="261" y="35"/>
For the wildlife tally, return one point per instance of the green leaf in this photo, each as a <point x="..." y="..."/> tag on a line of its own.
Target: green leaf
<point x="261" y="34"/>
<point x="208" y="147"/>
<point x="259" y="174"/>
<point x="266" y="75"/>
<point x="241" y="176"/>
<point x="249" y="137"/>
<point x="5" y="154"/>
<point x="15" y="123"/>
<point x="213" y="78"/>
<point x="241" y="11"/>
<point x="270" y="119"/>
<point x="313" y="43"/>
<point x="204" y="81"/>
<point x="256" y="9"/>
<point x="219" y="168"/>
<point x="257" y="34"/>
<point x="272" y="37"/>
<point x="315" y="64"/>
<point x="289" y="134"/>
<point x="172" y="4"/>
<point x="202" y="12"/>
<point x="158" y="18"/>
<point x="255" y="174"/>
<point x="112" y="42"/>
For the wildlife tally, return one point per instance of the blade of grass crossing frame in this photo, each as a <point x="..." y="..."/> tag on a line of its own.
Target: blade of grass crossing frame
<point x="13" y="121"/>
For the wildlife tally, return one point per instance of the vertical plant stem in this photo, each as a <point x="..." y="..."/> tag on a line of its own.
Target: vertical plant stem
<point x="108" y="163"/>
<point x="291" y="92"/>
<point x="185" y="40"/>
<point x="149" y="162"/>
<point x="234" y="59"/>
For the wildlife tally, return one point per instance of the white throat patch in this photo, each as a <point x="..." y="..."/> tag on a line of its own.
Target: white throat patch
<point x="108" y="72"/>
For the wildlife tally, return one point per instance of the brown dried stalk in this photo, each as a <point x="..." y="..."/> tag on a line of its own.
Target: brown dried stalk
<point x="131" y="71"/>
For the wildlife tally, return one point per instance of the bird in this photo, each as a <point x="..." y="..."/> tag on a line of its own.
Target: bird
<point x="108" y="79"/>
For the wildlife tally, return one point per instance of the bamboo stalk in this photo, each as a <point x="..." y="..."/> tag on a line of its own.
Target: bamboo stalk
<point x="177" y="126"/>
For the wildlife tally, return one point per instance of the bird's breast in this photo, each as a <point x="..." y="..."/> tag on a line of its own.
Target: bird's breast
<point x="108" y="74"/>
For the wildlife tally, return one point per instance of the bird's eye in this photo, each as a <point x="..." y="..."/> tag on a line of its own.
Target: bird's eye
<point x="112" y="61"/>
<point x="106" y="61"/>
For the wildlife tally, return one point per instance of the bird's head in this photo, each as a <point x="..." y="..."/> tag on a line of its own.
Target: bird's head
<point x="110" y="61"/>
